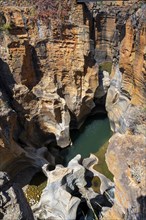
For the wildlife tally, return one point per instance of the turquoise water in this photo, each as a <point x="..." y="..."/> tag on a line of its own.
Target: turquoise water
<point x="93" y="134"/>
<point x="91" y="138"/>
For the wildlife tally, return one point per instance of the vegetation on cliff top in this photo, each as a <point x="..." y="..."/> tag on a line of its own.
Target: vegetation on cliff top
<point x="57" y="9"/>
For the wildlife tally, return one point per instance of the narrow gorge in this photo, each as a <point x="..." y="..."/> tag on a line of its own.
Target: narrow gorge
<point x="72" y="110"/>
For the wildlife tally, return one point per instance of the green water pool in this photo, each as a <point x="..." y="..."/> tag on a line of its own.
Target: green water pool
<point x="91" y="138"/>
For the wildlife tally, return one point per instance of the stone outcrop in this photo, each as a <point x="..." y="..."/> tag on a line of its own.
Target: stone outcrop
<point x="50" y="80"/>
<point x="127" y="87"/>
<point x="126" y="160"/>
<point x="68" y="194"/>
<point x="125" y="104"/>
<point x="120" y="36"/>
<point x="47" y="80"/>
<point x="13" y="204"/>
<point x="47" y="84"/>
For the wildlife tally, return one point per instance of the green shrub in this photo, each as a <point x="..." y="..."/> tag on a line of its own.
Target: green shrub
<point x="5" y="27"/>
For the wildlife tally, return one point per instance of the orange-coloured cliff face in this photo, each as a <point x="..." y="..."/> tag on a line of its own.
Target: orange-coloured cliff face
<point x="47" y="74"/>
<point x="129" y="176"/>
<point x="132" y="61"/>
<point x="49" y="81"/>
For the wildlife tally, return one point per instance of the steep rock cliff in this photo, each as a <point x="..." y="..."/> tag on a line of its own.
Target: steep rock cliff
<point x="48" y="78"/>
<point x="125" y="104"/>
<point x="49" y="84"/>
<point x="120" y="36"/>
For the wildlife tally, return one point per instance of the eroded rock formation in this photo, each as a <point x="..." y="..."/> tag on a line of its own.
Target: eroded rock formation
<point x="125" y="104"/>
<point x="121" y="36"/>
<point x="13" y="204"/>
<point x="69" y="195"/>
<point x="126" y="160"/>
<point x="51" y="79"/>
<point x="47" y="82"/>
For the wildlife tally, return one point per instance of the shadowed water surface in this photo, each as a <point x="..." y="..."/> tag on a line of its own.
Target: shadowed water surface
<point x="91" y="138"/>
<point x="93" y="134"/>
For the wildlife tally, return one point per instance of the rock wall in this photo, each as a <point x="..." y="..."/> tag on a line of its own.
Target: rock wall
<point x="125" y="104"/>
<point x="49" y="84"/>
<point x="128" y="72"/>
<point x="13" y="202"/>
<point x="48" y="78"/>
<point x="120" y="36"/>
<point x="129" y="176"/>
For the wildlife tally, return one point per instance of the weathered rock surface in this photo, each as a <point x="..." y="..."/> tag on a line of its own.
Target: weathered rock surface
<point x="13" y="204"/>
<point x="126" y="160"/>
<point x="127" y="87"/>
<point x="49" y="84"/>
<point x="46" y="80"/>
<point x="67" y="189"/>
<point x="125" y="104"/>
<point x="123" y="41"/>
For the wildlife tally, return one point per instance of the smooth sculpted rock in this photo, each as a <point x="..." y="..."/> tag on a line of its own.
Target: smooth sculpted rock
<point x="89" y="163"/>
<point x="104" y="83"/>
<point x="56" y="202"/>
<point x="67" y="188"/>
<point x="13" y="204"/>
<point x="116" y="102"/>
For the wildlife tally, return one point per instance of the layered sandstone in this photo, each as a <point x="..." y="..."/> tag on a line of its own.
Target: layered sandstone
<point x="48" y="79"/>
<point x="120" y="36"/>
<point x="128" y="80"/>
<point x="49" y="84"/>
<point x="125" y="104"/>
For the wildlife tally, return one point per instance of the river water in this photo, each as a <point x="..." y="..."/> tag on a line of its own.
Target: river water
<point x="94" y="133"/>
<point x="91" y="138"/>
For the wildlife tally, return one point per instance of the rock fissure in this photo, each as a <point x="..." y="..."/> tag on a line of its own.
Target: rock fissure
<point x="52" y="77"/>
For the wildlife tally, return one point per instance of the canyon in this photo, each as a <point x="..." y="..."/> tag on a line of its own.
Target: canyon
<point x="51" y="79"/>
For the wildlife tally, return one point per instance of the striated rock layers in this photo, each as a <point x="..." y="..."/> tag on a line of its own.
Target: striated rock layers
<point x="51" y="78"/>
<point x="128" y="78"/>
<point x="121" y="37"/>
<point x="48" y="79"/>
<point x="125" y="103"/>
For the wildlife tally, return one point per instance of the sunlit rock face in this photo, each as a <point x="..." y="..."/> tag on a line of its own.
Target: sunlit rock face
<point x="47" y="80"/>
<point x="120" y="37"/>
<point x="126" y="160"/>
<point x="127" y="87"/>
<point x="125" y="104"/>
<point x="49" y="83"/>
